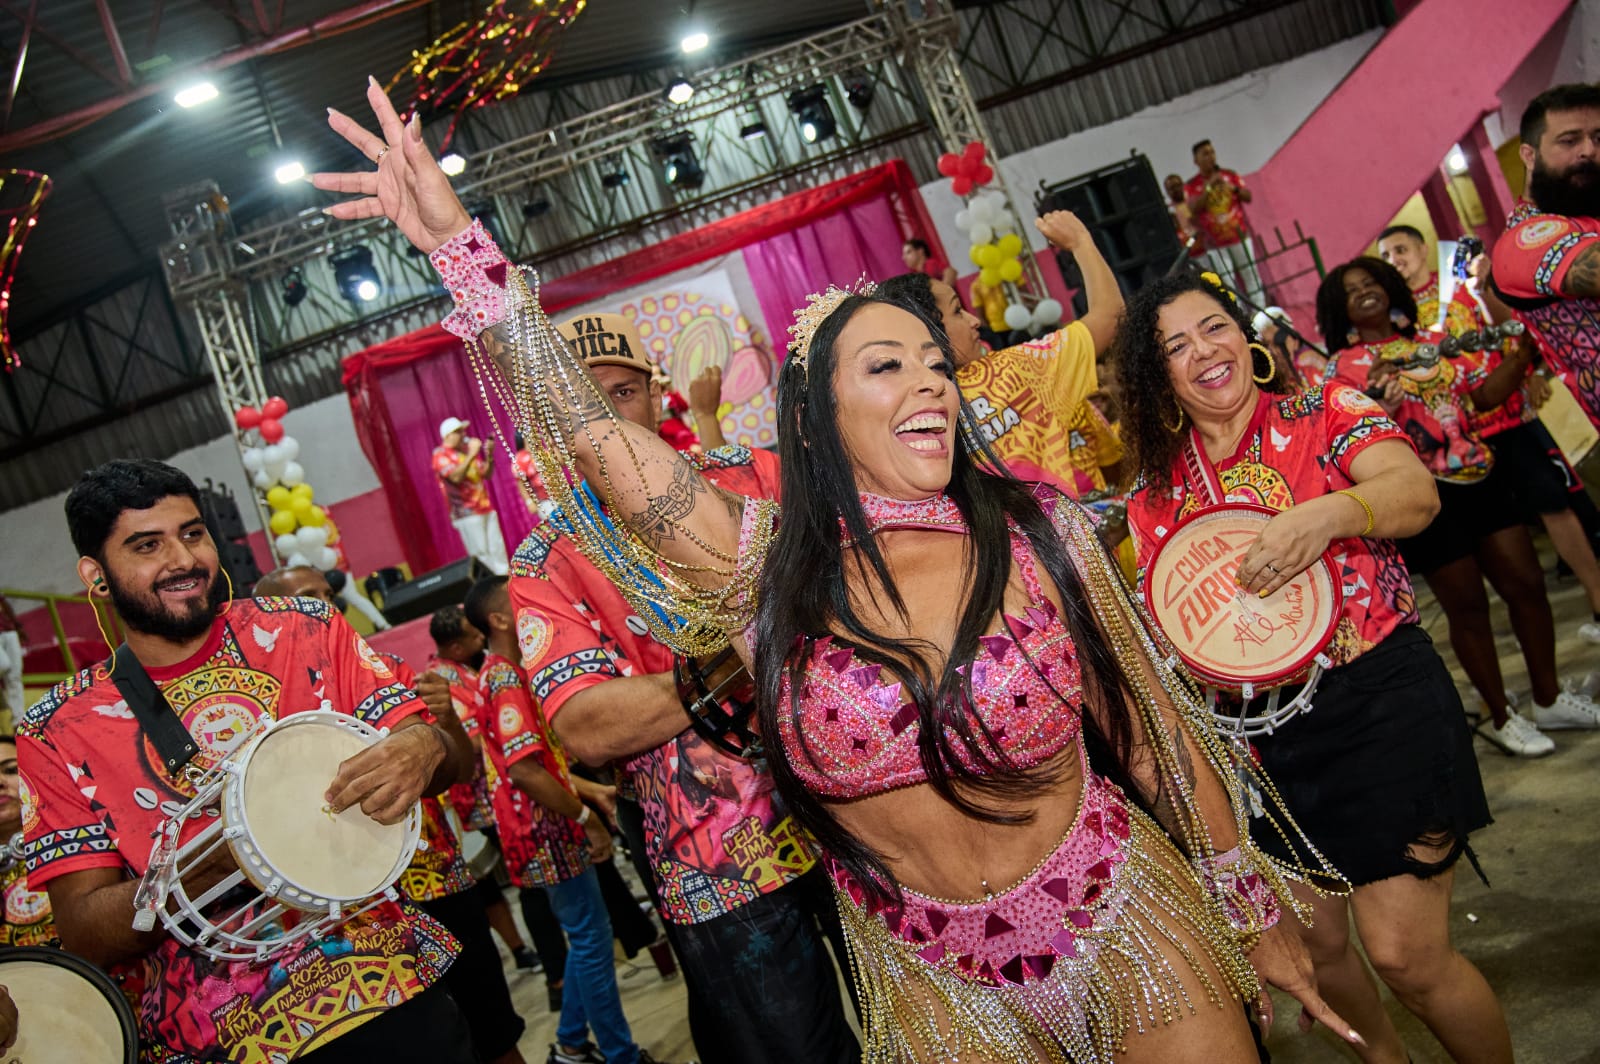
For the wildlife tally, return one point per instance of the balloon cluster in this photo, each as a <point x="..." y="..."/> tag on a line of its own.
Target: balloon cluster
<point x="300" y="527"/>
<point x="966" y="171"/>
<point x="997" y="252"/>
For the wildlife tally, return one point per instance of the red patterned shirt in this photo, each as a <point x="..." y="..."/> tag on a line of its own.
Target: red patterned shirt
<point x="1530" y="264"/>
<point x="1434" y="409"/>
<point x="470" y="495"/>
<point x="541" y="847"/>
<point x="1298" y="447"/>
<point x="711" y="834"/>
<point x="1463" y="316"/>
<point x="95" y="791"/>
<point x="470" y="800"/>
<point x="24" y="913"/>
<point x="1220" y="218"/>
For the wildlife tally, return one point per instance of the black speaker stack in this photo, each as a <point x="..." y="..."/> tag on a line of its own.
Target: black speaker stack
<point x="221" y="513"/>
<point x="1125" y="210"/>
<point x="446" y="586"/>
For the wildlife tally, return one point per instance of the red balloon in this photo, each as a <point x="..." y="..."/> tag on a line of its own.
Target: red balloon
<point x="275" y="407"/>
<point x="271" y="430"/>
<point x="961" y="185"/>
<point x="983" y="176"/>
<point x="973" y="151"/>
<point x="949" y="164"/>
<point x="247" y="417"/>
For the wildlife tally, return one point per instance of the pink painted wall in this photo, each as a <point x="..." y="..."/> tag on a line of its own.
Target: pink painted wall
<point x="1352" y="164"/>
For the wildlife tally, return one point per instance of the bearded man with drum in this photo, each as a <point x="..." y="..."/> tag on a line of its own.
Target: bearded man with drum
<point x="96" y="790"/>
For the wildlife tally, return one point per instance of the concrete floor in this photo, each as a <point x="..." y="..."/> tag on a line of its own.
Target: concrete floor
<point x="1536" y="936"/>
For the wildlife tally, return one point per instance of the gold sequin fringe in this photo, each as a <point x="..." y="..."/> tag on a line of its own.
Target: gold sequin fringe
<point x="1124" y="980"/>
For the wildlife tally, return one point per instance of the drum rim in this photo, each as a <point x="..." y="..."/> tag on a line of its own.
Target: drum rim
<point x="97" y="976"/>
<point x="1289" y="672"/>
<point x="236" y="786"/>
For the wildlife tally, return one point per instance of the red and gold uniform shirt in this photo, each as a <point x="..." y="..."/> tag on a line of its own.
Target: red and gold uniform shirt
<point x="711" y="834"/>
<point x="1434" y="409"/>
<point x="1298" y="447"/>
<point x="95" y="791"/>
<point x="1530" y="264"/>
<point x="470" y="800"/>
<point x="471" y="495"/>
<point x="1464" y="316"/>
<point x="24" y="913"/>
<point x="541" y="847"/>
<point x="1027" y="399"/>
<point x="1220" y="219"/>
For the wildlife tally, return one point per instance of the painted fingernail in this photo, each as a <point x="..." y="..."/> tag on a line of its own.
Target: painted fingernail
<point x="1355" y="1036"/>
<point x="372" y="81"/>
<point x="1264" y="592"/>
<point x="328" y="211"/>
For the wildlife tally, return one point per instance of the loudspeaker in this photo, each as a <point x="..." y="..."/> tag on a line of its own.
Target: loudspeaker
<point x="446" y="586"/>
<point x="1125" y="209"/>
<point x="221" y="513"/>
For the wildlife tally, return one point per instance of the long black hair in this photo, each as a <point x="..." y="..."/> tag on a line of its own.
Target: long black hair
<point x="1149" y="404"/>
<point x="805" y="594"/>
<point x="1333" y="305"/>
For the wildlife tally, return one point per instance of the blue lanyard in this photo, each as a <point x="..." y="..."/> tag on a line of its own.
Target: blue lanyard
<point x="597" y="522"/>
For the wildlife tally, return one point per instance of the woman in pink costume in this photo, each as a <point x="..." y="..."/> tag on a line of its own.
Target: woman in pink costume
<point x="1036" y="842"/>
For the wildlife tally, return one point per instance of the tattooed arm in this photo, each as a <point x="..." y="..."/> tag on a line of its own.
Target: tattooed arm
<point x="1583" y="276"/>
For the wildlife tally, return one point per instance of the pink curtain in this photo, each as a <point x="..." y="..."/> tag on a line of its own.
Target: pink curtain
<point x="859" y="241"/>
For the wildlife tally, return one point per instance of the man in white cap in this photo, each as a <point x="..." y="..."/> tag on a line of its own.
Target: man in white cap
<point x="462" y="465"/>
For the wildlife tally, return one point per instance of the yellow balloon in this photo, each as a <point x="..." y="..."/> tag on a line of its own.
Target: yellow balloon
<point x="302" y="490"/>
<point x="300" y="508"/>
<point x="1010" y="245"/>
<point x="989" y="276"/>
<point x="989" y="257"/>
<point x="1010" y="270"/>
<point x="316" y="518"/>
<point x="279" y="497"/>
<point x="975" y="253"/>
<point x="282" y="523"/>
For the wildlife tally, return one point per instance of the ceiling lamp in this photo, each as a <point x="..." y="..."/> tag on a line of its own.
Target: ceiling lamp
<point x="452" y="164"/>
<point x="695" y="42"/>
<point x="680" y="92"/>
<point x="195" y="95"/>
<point x="811" y="110"/>
<point x="355" y="274"/>
<point x="679" y="166"/>
<point x="289" y="172"/>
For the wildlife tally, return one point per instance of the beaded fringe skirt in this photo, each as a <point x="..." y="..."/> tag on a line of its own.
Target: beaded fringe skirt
<point x="1122" y="952"/>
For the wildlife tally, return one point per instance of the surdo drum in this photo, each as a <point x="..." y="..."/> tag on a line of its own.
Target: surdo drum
<point x="302" y="869"/>
<point x="68" y="1011"/>
<point x="1232" y="640"/>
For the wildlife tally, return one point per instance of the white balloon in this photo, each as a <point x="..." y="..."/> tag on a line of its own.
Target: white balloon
<point x="963" y="219"/>
<point x="274" y="469"/>
<point x="289" y="447"/>
<point x="292" y="474"/>
<point x="1017" y="316"/>
<point x="981" y="233"/>
<point x="310" y="540"/>
<point x="982" y="213"/>
<point x="327" y="558"/>
<point x="273" y="452"/>
<point x="1046" y="314"/>
<point x="297" y="561"/>
<point x="252" y="458"/>
<point x="287" y="544"/>
<point x="263" y="480"/>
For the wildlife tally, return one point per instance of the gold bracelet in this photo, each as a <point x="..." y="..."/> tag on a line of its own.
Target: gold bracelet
<point x="1346" y="491"/>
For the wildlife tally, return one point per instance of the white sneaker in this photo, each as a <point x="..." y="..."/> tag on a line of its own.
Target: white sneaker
<point x="1569" y="710"/>
<point x="1589" y="631"/>
<point x="1517" y="737"/>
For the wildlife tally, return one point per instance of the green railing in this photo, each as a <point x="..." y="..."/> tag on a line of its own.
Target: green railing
<point x="52" y="603"/>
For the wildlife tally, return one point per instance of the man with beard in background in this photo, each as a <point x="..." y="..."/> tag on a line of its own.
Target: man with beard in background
<point x="1546" y="266"/>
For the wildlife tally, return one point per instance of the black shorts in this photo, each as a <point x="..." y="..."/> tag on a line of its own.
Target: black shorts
<point x="428" y="1029"/>
<point x="476" y="980"/>
<point x="1535" y="468"/>
<point x="1383" y="759"/>
<point x="1468" y="514"/>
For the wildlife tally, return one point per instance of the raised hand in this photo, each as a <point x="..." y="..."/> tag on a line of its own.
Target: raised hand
<point x="1064" y="230"/>
<point x="407" y="187"/>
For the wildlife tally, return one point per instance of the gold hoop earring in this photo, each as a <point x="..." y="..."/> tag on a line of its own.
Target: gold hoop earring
<point x="1177" y="427"/>
<point x="1272" y="363"/>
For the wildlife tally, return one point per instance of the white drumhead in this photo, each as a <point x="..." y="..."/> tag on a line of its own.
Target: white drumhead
<point x="343" y="856"/>
<point x="62" y="1017"/>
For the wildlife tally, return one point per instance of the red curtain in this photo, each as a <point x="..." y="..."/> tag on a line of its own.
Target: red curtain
<point x="412" y="509"/>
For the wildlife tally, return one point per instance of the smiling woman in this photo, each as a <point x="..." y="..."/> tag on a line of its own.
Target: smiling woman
<point x="952" y="676"/>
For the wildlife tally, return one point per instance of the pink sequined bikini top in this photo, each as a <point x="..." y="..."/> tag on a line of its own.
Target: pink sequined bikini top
<point x="861" y="734"/>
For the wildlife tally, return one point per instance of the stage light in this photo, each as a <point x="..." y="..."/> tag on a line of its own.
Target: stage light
<point x="695" y="42"/>
<point x="810" y="107"/>
<point x="680" y="92"/>
<point x="858" y="89"/>
<point x="356" y="276"/>
<point x="614" y="178"/>
<point x="678" y="163"/>
<point x="1456" y="161"/>
<point x="294" y="288"/>
<point x="754" y="131"/>
<point x="195" y="95"/>
<point x="452" y="164"/>
<point x="535" y="208"/>
<point x="289" y="172"/>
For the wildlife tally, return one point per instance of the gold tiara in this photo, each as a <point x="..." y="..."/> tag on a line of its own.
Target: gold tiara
<point x="818" y="306"/>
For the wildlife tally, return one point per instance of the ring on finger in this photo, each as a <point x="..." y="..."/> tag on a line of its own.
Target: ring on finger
<point x="378" y="158"/>
<point x="1275" y="570"/>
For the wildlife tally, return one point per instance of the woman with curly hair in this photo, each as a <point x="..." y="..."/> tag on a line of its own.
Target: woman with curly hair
<point x="1365" y="311"/>
<point x="1036" y="842"/>
<point x="1378" y="769"/>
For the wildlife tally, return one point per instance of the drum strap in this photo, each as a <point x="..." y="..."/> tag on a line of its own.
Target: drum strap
<point x="1203" y="479"/>
<point x="173" y="743"/>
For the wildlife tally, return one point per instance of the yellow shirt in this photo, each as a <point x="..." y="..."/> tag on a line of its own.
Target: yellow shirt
<point x="1031" y="403"/>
